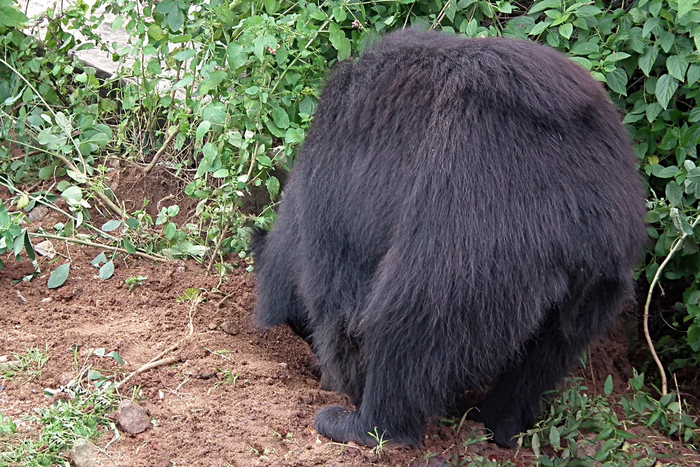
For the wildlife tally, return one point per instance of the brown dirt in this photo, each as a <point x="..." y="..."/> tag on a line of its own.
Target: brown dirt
<point x="265" y="418"/>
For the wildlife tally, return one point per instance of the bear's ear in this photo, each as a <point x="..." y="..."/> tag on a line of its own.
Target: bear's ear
<point x="257" y="241"/>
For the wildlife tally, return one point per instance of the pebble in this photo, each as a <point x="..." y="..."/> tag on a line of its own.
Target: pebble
<point x="132" y="418"/>
<point x="229" y="327"/>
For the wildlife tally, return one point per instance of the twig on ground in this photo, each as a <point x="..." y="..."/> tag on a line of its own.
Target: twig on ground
<point x="79" y="241"/>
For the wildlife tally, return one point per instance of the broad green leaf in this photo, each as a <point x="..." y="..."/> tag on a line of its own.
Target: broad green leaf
<point x="215" y="113"/>
<point x="58" y="276"/>
<point x="202" y="130"/>
<point x="584" y="48"/>
<point x="693" y="74"/>
<point x="677" y="66"/>
<point x="652" y="111"/>
<point x="608" y="386"/>
<point x="646" y="61"/>
<point x="539" y="28"/>
<point x="169" y="230"/>
<point x="684" y="6"/>
<point x="273" y="186"/>
<point x="666" y="87"/>
<point x="111" y="225"/>
<point x="339" y="41"/>
<point x="280" y="117"/>
<point x="107" y="270"/>
<point x="617" y="81"/>
<point x="544" y="5"/>
<point x="674" y="193"/>
<point x="694" y="115"/>
<point x="99" y="259"/>
<point x="649" y="26"/>
<point x="211" y="82"/>
<point x="566" y="30"/>
<point x="184" y="55"/>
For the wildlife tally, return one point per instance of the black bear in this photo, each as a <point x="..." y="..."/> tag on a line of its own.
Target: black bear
<point x="462" y="211"/>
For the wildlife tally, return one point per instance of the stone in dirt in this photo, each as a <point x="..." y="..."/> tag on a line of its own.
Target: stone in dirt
<point x="84" y="454"/>
<point x="132" y="418"/>
<point x="229" y="327"/>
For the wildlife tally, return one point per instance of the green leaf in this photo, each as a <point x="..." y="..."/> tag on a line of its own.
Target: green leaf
<point x="97" y="260"/>
<point x="554" y="438"/>
<point x="211" y="82"/>
<point x="132" y="223"/>
<point x="202" y="130"/>
<point x="617" y="81"/>
<point x="677" y="66"/>
<point x="116" y="357"/>
<point x="273" y="186"/>
<point x="684" y="6"/>
<point x="539" y="28"/>
<point x="541" y="6"/>
<point x="666" y="41"/>
<point x="693" y="74"/>
<point x="184" y="55"/>
<point x="308" y="106"/>
<point x="608" y="386"/>
<point x="660" y="171"/>
<point x="646" y="61"/>
<point x="280" y="117"/>
<point x="176" y="19"/>
<point x="616" y="57"/>
<point x="214" y="113"/>
<point x="339" y="41"/>
<point x="694" y="115"/>
<point x="169" y="230"/>
<point x="107" y="270"/>
<point x="649" y="26"/>
<point x="652" y="111"/>
<point x="128" y="246"/>
<point x="566" y="30"/>
<point x="666" y="87"/>
<point x="585" y="48"/>
<point x="111" y="225"/>
<point x="674" y="193"/>
<point x="58" y="276"/>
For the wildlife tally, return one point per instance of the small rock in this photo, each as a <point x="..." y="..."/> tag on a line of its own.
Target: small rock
<point x="65" y="378"/>
<point x="284" y="365"/>
<point x="132" y="418"/>
<point x="212" y="325"/>
<point x="229" y="327"/>
<point x="46" y="300"/>
<point x="84" y="454"/>
<point x="38" y="213"/>
<point x="45" y="248"/>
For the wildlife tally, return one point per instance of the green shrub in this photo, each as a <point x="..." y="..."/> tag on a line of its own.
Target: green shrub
<point x="229" y="88"/>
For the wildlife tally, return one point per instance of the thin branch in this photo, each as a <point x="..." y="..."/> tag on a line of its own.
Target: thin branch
<point x="676" y="246"/>
<point x="79" y="241"/>
<point x="162" y="149"/>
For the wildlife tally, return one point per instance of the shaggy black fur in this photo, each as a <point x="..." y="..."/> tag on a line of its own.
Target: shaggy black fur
<point x="461" y="210"/>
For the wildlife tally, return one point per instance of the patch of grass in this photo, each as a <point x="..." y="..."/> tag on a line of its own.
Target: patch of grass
<point x="27" y="365"/>
<point x="80" y="413"/>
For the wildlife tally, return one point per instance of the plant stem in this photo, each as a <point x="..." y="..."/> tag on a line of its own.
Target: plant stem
<point x="79" y="241"/>
<point x="676" y="246"/>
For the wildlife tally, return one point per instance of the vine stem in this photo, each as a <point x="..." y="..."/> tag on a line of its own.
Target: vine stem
<point x="79" y="241"/>
<point x="676" y="246"/>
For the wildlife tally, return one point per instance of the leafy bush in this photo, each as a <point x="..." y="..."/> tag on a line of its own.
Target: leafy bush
<point x="228" y="89"/>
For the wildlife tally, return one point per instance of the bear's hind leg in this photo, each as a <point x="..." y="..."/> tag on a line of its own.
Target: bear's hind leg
<point x="513" y="404"/>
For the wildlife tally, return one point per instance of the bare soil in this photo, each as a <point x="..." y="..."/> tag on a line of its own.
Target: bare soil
<point x="199" y="418"/>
